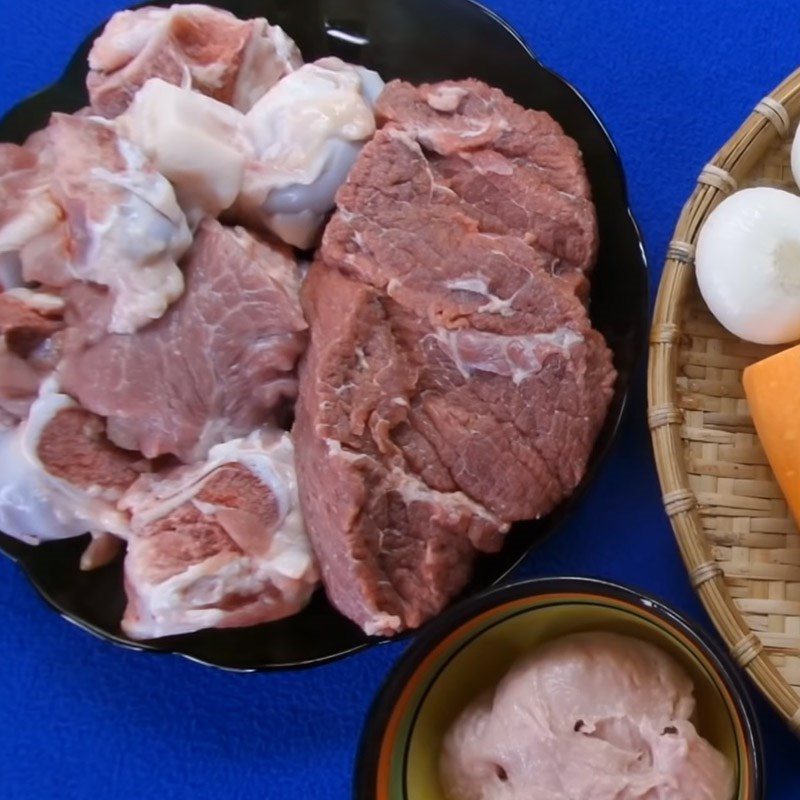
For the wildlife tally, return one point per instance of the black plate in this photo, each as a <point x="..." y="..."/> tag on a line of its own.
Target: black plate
<point x="419" y="40"/>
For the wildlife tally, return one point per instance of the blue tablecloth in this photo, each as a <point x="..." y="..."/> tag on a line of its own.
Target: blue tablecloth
<point x="80" y="718"/>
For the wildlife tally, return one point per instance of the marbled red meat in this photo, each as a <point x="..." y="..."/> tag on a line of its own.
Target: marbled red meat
<point x="453" y="383"/>
<point x="217" y="365"/>
<point x="512" y="169"/>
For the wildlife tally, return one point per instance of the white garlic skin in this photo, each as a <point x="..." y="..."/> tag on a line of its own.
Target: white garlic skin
<point x="748" y="265"/>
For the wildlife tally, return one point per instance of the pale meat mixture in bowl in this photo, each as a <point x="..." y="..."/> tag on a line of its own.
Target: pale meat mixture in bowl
<point x="590" y="715"/>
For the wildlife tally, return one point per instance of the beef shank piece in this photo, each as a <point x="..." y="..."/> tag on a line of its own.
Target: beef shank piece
<point x="60" y="476"/>
<point x="219" y="544"/>
<point x="305" y="134"/>
<point x="85" y="205"/>
<point x="232" y="60"/>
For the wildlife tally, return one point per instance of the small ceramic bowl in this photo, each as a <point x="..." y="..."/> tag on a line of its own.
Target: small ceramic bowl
<point x="469" y="648"/>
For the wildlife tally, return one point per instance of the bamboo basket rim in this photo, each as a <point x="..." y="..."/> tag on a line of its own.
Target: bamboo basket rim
<point x="769" y="123"/>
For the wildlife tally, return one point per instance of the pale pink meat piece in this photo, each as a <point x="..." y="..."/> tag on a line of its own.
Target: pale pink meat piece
<point x="218" y="364"/>
<point x="29" y="348"/>
<point x="591" y="715"/>
<point x="220" y="544"/>
<point x="26" y="209"/>
<point x="232" y="60"/>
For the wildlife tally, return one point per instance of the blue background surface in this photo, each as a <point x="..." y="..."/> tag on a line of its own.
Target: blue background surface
<point x="80" y="718"/>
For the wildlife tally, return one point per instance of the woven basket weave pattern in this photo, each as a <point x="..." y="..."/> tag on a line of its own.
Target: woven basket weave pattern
<point x="735" y="533"/>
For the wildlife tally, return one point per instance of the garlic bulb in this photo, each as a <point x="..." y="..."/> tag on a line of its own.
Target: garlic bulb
<point x="748" y="265"/>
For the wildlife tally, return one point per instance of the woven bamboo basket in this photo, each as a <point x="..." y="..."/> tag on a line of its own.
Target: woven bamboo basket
<point x="739" y="542"/>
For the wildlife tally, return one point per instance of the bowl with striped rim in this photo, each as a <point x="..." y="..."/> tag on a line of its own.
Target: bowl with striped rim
<point x="469" y="648"/>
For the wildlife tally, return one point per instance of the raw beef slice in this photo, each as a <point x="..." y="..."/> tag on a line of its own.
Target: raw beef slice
<point x="453" y="383"/>
<point x="513" y="169"/>
<point x="392" y="549"/>
<point x="217" y="365"/>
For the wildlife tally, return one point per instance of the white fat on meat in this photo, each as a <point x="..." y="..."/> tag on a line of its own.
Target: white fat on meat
<point x="193" y="140"/>
<point x="116" y="223"/>
<point x="234" y="60"/>
<point x="307" y="132"/>
<point x="281" y="164"/>
<point x="38" y="506"/>
<point x="195" y="561"/>
<point x="43" y="302"/>
<point x="269" y="56"/>
<point x="135" y="248"/>
<point x="512" y="356"/>
<point x="36" y="214"/>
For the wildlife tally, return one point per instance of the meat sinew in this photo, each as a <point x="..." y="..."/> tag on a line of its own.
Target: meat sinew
<point x="453" y="383"/>
<point x="220" y="544"/>
<point x="305" y="133"/>
<point x="216" y="366"/>
<point x="232" y="60"/>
